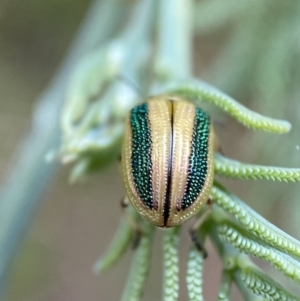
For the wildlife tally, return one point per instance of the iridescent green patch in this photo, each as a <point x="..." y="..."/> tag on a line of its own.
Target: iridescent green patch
<point x="141" y="153"/>
<point x="198" y="159"/>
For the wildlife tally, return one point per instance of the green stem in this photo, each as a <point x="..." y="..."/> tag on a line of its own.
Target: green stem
<point x="137" y="37"/>
<point x="140" y="23"/>
<point x="174" y="39"/>
<point x="225" y="287"/>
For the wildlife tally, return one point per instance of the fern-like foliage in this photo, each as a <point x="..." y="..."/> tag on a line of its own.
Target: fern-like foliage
<point x="233" y="223"/>
<point x="234" y="169"/>
<point x="194" y="277"/>
<point x="171" y="268"/>
<point x="199" y="91"/>
<point x="97" y="101"/>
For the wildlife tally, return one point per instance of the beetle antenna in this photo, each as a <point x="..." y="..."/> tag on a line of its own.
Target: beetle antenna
<point x="130" y="83"/>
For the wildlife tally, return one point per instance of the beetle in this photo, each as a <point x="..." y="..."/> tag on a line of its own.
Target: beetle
<point x="167" y="159"/>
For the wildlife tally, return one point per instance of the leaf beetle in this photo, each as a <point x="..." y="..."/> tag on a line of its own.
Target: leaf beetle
<point x="167" y="159"/>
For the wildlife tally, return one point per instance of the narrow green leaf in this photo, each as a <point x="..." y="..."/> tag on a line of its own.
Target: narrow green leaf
<point x="140" y="266"/>
<point x="171" y="264"/>
<point x="284" y="263"/>
<point x="199" y="90"/>
<point x="234" y="169"/>
<point x="118" y="246"/>
<point x="262" y="285"/>
<point x="255" y="223"/>
<point x="232" y="261"/>
<point x="194" y="277"/>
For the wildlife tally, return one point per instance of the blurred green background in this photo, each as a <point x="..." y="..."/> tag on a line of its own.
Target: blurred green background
<point x="74" y="224"/>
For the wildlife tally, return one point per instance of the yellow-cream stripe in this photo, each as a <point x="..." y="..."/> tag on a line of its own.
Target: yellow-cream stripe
<point x="184" y="114"/>
<point x="159" y="116"/>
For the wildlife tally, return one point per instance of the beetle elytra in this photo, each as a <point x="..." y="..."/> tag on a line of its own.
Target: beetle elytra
<point x="167" y="159"/>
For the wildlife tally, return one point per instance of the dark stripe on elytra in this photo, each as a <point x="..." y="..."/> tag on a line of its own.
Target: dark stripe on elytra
<point x="141" y="153"/>
<point x="167" y="202"/>
<point x="197" y="171"/>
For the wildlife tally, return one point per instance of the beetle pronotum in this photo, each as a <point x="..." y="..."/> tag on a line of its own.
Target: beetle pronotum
<point x="167" y="159"/>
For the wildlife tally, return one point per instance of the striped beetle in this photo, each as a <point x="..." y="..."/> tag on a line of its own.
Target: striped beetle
<point x="167" y="159"/>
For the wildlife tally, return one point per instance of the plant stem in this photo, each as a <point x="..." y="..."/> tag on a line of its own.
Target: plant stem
<point x="174" y="39"/>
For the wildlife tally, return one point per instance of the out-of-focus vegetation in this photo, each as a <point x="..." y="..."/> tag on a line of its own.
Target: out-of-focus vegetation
<point x="259" y="63"/>
<point x="249" y="50"/>
<point x="33" y="37"/>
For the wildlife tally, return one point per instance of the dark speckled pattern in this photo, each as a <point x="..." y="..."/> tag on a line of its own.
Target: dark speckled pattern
<point x="198" y="159"/>
<point x="141" y="153"/>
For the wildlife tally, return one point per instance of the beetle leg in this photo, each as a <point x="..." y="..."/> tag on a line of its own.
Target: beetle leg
<point x="210" y="203"/>
<point x="135" y="226"/>
<point x="197" y="243"/>
<point x="197" y="225"/>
